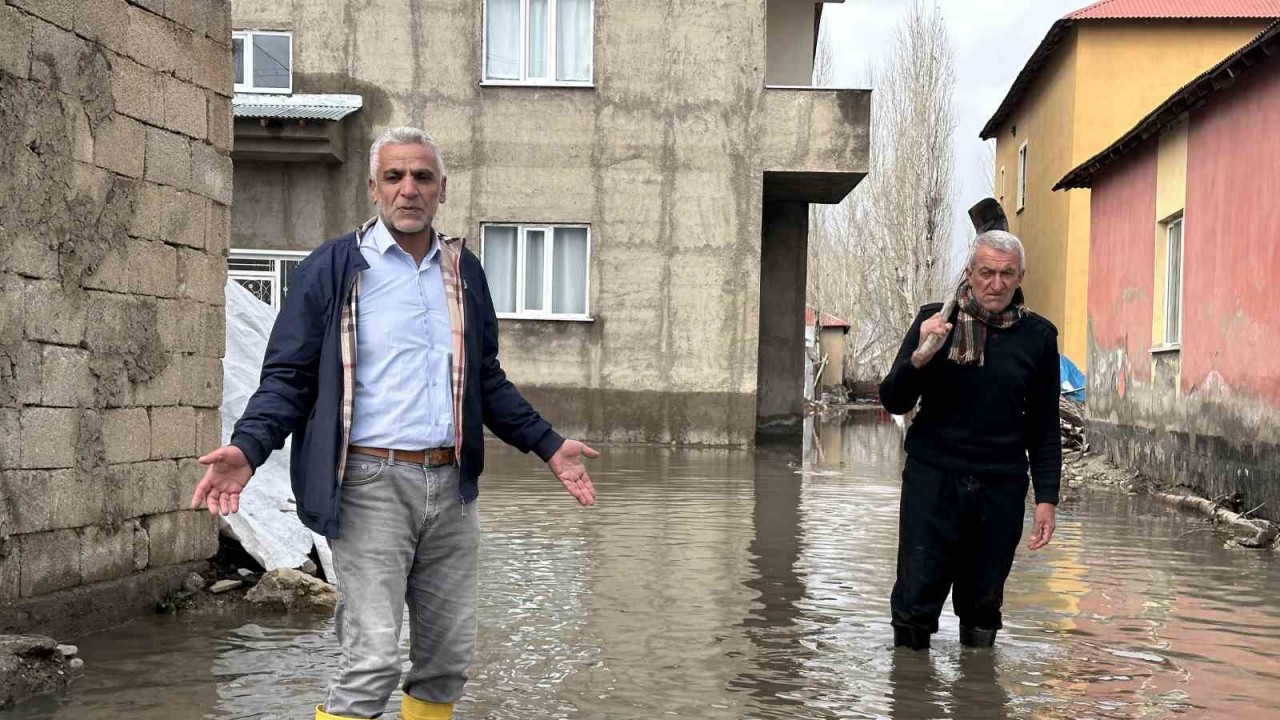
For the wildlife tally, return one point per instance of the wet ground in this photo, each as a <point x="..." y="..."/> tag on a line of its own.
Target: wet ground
<point x="735" y="584"/>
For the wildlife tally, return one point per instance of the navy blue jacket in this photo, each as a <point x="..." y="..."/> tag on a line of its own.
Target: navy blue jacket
<point x="300" y="392"/>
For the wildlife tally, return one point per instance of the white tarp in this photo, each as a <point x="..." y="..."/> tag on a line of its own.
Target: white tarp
<point x="267" y="525"/>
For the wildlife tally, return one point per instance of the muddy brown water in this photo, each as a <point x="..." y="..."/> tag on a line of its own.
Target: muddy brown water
<point x="748" y="584"/>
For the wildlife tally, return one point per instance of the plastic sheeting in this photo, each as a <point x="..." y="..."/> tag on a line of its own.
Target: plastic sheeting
<point x="267" y="525"/>
<point x="1071" y="379"/>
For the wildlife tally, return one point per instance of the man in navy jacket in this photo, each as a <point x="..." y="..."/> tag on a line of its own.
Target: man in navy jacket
<point x="383" y="365"/>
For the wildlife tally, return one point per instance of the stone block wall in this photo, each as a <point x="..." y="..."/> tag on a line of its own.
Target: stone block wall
<point x="115" y="194"/>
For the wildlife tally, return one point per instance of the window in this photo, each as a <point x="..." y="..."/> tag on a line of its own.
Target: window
<point x="264" y="273"/>
<point x="262" y="62"/>
<point x="1173" y="283"/>
<point x="537" y="271"/>
<point x="1022" y="176"/>
<point x="538" y="42"/>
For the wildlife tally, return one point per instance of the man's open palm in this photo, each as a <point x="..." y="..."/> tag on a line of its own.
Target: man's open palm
<point x="571" y="470"/>
<point x="227" y="474"/>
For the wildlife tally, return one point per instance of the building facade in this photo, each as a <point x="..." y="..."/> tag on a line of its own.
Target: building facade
<point x="634" y="175"/>
<point x="1183" y="337"/>
<point x="1097" y="72"/>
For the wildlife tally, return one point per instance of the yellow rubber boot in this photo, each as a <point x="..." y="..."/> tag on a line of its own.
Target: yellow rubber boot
<point x="412" y="708"/>
<point x="322" y="715"/>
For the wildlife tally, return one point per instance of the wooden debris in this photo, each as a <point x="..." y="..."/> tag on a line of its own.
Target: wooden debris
<point x="1071" y="424"/>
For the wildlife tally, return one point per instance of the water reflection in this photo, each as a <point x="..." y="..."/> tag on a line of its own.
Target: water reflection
<point x="775" y="675"/>
<point x="725" y="585"/>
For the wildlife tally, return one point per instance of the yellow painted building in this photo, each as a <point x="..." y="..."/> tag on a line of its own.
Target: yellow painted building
<point x="1097" y="72"/>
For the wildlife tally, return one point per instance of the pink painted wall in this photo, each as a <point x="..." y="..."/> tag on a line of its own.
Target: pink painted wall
<point x="1122" y="258"/>
<point x="1232" y="239"/>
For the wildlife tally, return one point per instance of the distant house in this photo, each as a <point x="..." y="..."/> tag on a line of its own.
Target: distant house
<point x="1097" y="72"/>
<point x="824" y="335"/>
<point x="1184" y="377"/>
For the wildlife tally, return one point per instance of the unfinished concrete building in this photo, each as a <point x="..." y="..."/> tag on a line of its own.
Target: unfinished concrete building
<point x="115" y="129"/>
<point x="634" y="175"/>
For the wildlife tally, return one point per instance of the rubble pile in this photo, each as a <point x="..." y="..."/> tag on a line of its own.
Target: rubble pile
<point x="32" y="665"/>
<point x="1071" y="423"/>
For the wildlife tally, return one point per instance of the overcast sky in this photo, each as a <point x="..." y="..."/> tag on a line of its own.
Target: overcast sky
<point x="991" y="39"/>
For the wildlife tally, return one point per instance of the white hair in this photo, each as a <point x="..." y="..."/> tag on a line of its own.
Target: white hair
<point x="1000" y="241"/>
<point x="403" y="136"/>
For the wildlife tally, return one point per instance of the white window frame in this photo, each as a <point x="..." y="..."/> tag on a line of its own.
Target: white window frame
<point x="247" y="86"/>
<point x="548" y="253"/>
<point x="1022" y="176"/>
<point x="275" y="274"/>
<point x="524" y="79"/>
<point x="1172" y="299"/>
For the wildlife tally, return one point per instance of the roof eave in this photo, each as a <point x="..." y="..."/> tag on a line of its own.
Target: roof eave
<point x="1182" y="101"/>
<point x="1025" y="77"/>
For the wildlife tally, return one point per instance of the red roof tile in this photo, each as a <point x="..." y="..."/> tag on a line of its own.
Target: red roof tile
<point x="828" y="320"/>
<point x="1122" y="9"/>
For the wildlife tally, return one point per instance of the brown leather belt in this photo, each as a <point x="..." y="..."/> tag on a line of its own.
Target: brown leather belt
<point x="431" y="457"/>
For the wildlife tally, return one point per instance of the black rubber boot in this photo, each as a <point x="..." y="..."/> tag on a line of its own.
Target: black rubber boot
<point x="910" y="638"/>
<point x="977" y="637"/>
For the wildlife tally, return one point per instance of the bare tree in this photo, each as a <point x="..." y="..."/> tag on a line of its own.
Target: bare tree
<point x="883" y="252"/>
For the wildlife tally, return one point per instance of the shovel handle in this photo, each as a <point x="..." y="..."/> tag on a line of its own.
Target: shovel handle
<point x="933" y="342"/>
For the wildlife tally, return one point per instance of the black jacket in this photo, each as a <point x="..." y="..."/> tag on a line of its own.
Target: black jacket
<point x="301" y="388"/>
<point x="997" y="419"/>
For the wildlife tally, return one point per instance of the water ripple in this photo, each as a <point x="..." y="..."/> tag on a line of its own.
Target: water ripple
<point x="716" y="584"/>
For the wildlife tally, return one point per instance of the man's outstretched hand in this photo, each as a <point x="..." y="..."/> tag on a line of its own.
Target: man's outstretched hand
<point x="571" y="470"/>
<point x="227" y="474"/>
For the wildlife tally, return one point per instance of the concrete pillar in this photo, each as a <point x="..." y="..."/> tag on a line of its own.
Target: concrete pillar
<point x="780" y="374"/>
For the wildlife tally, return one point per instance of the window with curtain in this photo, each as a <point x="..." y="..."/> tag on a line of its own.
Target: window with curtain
<point x="1173" y="283"/>
<point x="537" y="271"/>
<point x="538" y="41"/>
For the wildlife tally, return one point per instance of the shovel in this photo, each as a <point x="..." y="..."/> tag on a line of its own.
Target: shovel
<point x="986" y="215"/>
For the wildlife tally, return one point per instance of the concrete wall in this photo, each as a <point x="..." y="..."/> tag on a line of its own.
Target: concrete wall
<point x="1103" y="78"/>
<point x="1232" y="256"/>
<point x="115" y="125"/>
<point x="1207" y="414"/>
<point x="663" y="158"/>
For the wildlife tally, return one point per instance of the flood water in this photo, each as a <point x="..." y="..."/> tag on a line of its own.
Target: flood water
<point x="739" y="584"/>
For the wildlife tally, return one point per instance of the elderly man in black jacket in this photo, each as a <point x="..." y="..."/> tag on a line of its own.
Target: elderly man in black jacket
<point x="988" y="397"/>
<point x="383" y="365"/>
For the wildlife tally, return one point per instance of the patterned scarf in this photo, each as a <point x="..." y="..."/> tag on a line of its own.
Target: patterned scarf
<point x="970" y="341"/>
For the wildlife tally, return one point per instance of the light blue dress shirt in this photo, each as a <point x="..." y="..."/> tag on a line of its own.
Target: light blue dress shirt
<point x="403" y="400"/>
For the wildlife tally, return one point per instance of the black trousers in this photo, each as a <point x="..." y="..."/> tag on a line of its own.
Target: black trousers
<point x="956" y="533"/>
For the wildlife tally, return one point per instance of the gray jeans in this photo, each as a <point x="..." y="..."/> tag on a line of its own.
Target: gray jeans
<point x="406" y="537"/>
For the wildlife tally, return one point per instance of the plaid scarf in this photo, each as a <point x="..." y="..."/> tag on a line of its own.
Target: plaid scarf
<point x="970" y="331"/>
<point x="451" y="271"/>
